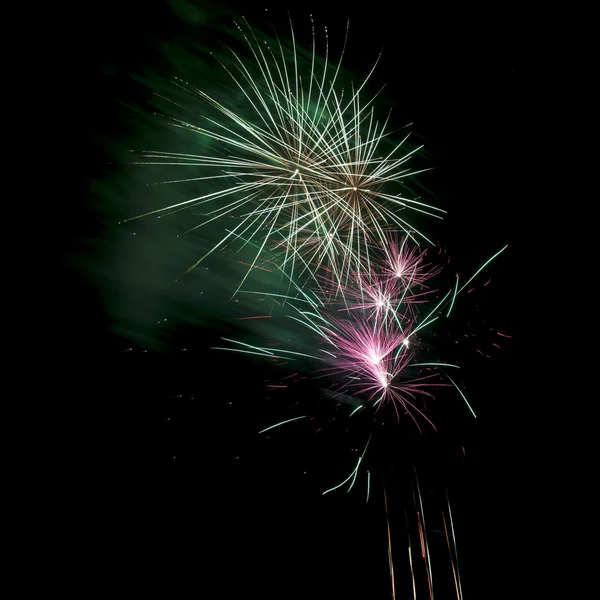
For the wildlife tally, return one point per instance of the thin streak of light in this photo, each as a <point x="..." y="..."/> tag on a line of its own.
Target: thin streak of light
<point x="463" y="396"/>
<point x="354" y="472"/>
<point x="487" y="262"/>
<point x="282" y="423"/>
<point x="453" y="297"/>
<point x="249" y="318"/>
<point x="391" y="562"/>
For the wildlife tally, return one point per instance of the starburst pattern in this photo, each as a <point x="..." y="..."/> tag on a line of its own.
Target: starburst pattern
<point x="304" y="166"/>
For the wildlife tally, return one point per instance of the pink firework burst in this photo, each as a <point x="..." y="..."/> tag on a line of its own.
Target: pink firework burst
<point x="374" y="296"/>
<point x="375" y="361"/>
<point x="385" y="288"/>
<point x="406" y="265"/>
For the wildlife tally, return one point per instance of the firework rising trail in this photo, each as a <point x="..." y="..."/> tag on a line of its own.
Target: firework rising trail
<point x="389" y="536"/>
<point x="414" y="578"/>
<point x="305" y="169"/>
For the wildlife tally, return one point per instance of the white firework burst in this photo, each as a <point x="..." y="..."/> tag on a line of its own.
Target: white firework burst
<point x="305" y="171"/>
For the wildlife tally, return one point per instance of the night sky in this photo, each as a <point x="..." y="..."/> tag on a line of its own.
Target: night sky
<point x="180" y="492"/>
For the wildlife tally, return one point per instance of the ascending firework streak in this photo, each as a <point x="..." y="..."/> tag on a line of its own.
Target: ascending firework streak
<point x="419" y="550"/>
<point x="307" y="168"/>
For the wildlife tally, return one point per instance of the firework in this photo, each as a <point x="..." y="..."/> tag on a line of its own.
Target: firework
<point x="305" y="167"/>
<point x="367" y="331"/>
<point x="314" y="194"/>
